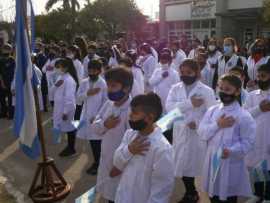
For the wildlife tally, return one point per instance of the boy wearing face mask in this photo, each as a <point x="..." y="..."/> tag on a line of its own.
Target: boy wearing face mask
<point x="93" y="94"/>
<point x="145" y="158"/>
<point x="193" y="98"/>
<point x="230" y="134"/>
<point x="227" y="61"/>
<point x="258" y="104"/>
<point x="164" y="78"/>
<point x="111" y="123"/>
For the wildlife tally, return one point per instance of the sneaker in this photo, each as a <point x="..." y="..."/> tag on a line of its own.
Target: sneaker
<point x="254" y="199"/>
<point x="92" y="170"/>
<point x="67" y="152"/>
<point x="188" y="198"/>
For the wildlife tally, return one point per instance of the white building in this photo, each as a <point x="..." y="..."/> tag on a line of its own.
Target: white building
<point x="237" y="18"/>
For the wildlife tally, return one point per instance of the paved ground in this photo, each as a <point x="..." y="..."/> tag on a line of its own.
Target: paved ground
<point x="20" y="170"/>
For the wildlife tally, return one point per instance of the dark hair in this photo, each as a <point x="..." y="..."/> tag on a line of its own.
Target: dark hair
<point x="191" y="63"/>
<point x="92" y="46"/>
<point x="264" y="68"/>
<point x="68" y="64"/>
<point x="133" y="55"/>
<point x="146" y="48"/>
<point x="75" y="49"/>
<point x="239" y="70"/>
<point x="126" y="61"/>
<point x="150" y="103"/>
<point x="81" y="42"/>
<point x="95" y="64"/>
<point x="233" y="80"/>
<point x="120" y="75"/>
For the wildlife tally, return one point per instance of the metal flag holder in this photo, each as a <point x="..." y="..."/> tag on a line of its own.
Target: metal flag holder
<point x="48" y="185"/>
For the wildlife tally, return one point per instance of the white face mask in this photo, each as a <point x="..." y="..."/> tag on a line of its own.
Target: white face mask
<point x="59" y="71"/>
<point x="165" y="66"/>
<point x="212" y="47"/>
<point x="71" y="56"/>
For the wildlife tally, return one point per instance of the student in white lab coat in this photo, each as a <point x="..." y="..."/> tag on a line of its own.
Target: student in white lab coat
<point x="127" y="63"/>
<point x="258" y="57"/>
<point x="178" y="55"/>
<point x="65" y="103"/>
<point x="148" y="64"/>
<point x="93" y="93"/>
<point x="258" y="104"/>
<point x="227" y="61"/>
<point x="145" y="158"/>
<point x="230" y="134"/>
<point x="111" y="124"/>
<point x="213" y="53"/>
<point x="240" y="73"/>
<point x="163" y="78"/>
<point x="92" y="49"/>
<point x="74" y="53"/>
<point x="195" y="44"/>
<point x="115" y="57"/>
<point x="49" y="70"/>
<point x="193" y="98"/>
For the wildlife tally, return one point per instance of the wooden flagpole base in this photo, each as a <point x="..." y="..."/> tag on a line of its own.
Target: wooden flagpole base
<point x="52" y="186"/>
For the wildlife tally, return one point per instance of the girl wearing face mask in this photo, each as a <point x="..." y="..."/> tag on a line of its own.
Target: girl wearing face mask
<point x="164" y="78"/>
<point x="258" y="104"/>
<point x="258" y="57"/>
<point x="64" y="103"/>
<point x="193" y="98"/>
<point x="230" y="134"/>
<point x="227" y="61"/>
<point x="213" y="54"/>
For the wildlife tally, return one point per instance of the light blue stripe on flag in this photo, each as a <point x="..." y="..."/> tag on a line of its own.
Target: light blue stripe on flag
<point x="88" y="197"/>
<point x="25" y="123"/>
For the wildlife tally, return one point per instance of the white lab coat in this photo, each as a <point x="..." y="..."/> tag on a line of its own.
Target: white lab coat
<point x="85" y="63"/>
<point x="91" y="107"/>
<point x="189" y="150"/>
<point x="223" y="67"/>
<point x="136" y="89"/>
<point x="111" y="139"/>
<point x="148" y="64"/>
<point x="162" y="86"/>
<point x="113" y="63"/>
<point x="207" y="75"/>
<point x="50" y="75"/>
<point x="138" y="76"/>
<point x="155" y="54"/>
<point x="192" y="54"/>
<point x="149" y="178"/>
<point x="261" y="150"/>
<point x="213" y="59"/>
<point x="79" y="69"/>
<point x="232" y="178"/>
<point x="178" y="59"/>
<point x="64" y="103"/>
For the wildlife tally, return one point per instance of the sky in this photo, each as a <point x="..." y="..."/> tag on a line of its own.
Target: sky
<point x="148" y="7"/>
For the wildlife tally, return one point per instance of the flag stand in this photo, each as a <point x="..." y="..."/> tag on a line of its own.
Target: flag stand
<point x="52" y="186"/>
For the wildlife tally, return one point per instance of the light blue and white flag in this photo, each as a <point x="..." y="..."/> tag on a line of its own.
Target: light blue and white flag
<point x="25" y="124"/>
<point x="89" y="197"/>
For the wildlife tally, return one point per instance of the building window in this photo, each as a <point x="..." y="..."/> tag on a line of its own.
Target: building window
<point x="213" y="23"/>
<point x="205" y="23"/>
<point x="196" y="24"/>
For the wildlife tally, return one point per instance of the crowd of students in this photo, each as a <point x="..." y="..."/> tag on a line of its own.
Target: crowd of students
<point x="118" y="94"/>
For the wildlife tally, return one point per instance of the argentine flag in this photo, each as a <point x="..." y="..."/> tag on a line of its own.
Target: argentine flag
<point x="25" y="124"/>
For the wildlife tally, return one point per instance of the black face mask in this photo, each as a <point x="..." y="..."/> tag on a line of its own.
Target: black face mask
<point x="188" y="80"/>
<point x="226" y="98"/>
<point x="263" y="85"/>
<point x="93" y="77"/>
<point x="137" y="125"/>
<point x="258" y="50"/>
<point x="51" y="55"/>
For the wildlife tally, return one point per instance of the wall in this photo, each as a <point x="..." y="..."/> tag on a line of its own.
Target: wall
<point x="243" y="4"/>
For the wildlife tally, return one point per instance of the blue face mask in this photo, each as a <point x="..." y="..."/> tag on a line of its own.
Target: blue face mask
<point x="116" y="96"/>
<point x="227" y="50"/>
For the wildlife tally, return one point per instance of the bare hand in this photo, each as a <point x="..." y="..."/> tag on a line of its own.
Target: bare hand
<point x="93" y="92"/>
<point x="112" y="122"/>
<point x="64" y="117"/>
<point x="196" y="102"/>
<point x="139" y="146"/>
<point x="225" y="122"/>
<point x="192" y="125"/>
<point x="251" y="83"/>
<point x="225" y="153"/>
<point x="115" y="172"/>
<point x="59" y="83"/>
<point x="165" y="74"/>
<point x="265" y="106"/>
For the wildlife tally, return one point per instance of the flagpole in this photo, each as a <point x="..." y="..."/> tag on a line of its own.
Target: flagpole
<point x="53" y="186"/>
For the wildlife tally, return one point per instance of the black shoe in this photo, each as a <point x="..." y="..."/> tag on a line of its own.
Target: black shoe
<point x="190" y="198"/>
<point x="92" y="170"/>
<point x="67" y="152"/>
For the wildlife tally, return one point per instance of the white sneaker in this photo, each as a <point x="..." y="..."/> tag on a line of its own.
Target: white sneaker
<point x="253" y="199"/>
<point x="266" y="201"/>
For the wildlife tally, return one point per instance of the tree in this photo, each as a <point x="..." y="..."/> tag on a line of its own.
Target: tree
<point x="66" y="4"/>
<point x="266" y="11"/>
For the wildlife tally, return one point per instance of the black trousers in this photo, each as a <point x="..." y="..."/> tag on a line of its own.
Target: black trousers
<point x="78" y="112"/>
<point x="262" y="189"/>
<point x="189" y="183"/>
<point x="71" y="140"/>
<point x="96" y="149"/>
<point x="169" y="135"/>
<point x="109" y="201"/>
<point x="216" y="199"/>
<point x="6" y="103"/>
